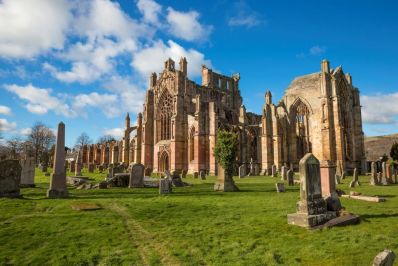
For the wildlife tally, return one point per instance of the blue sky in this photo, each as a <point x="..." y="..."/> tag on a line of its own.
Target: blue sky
<point x="86" y="62"/>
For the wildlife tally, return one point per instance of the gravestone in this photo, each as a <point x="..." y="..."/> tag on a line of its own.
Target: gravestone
<point x="165" y="186"/>
<point x="148" y="171"/>
<point x="137" y="175"/>
<point x="395" y="175"/>
<point x="195" y="175"/>
<point x="284" y="173"/>
<point x="78" y="165"/>
<point x="91" y="168"/>
<point x="224" y="181"/>
<point x="290" y="177"/>
<point x="184" y="174"/>
<point x="384" y="258"/>
<point x="10" y="178"/>
<point x="202" y="175"/>
<point x="311" y="209"/>
<point x="242" y="171"/>
<point x="274" y="171"/>
<point x="28" y="172"/>
<point x="117" y="169"/>
<point x="256" y="169"/>
<point x="280" y="187"/>
<point x="58" y="178"/>
<point x="251" y="167"/>
<point x="100" y="168"/>
<point x="384" y="181"/>
<point x="355" y="180"/>
<point x="337" y="179"/>
<point x="72" y="166"/>
<point x="389" y="173"/>
<point x="378" y="177"/>
<point x="373" y="175"/>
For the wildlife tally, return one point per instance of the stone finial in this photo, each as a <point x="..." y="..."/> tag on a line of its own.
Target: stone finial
<point x="184" y="65"/>
<point x="268" y="97"/>
<point x="169" y="65"/>
<point x="325" y="66"/>
<point x="152" y="79"/>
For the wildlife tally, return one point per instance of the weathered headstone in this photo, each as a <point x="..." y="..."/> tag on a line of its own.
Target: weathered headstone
<point x="311" y="209"/>
<point x="355" y="180"/>
<point x="373" y="175"/>
<point x="280" y="187"/>
<point x="256" y="169"/>
<point x="251" y="167"/>
<point x="384" y="258"/>
<point x="242" y="171"/>
<point x="72" y="166"/>
<point x="78" y="164"/>
<point x="148" y="171"/>
<point x="137" y="175"/>
<point x="284" y="173"/>
<point x="184" y="174"/>
<point x="224" y="181"/>
<point x="202" y="175"/>
<point x="384" y="181"/>
<point x="195" y="175"/>
<point x="378" y="178"/>
<point x="28" y="172"/>
<point x="389" y="173"/>
<point x="395" y="176"/>
<point x="10" y="178"/>
<point x="91" y="168"/>
<point x="100" y="168"/>
<point x="274" y="171"/>
<point x="165" y="186"/>
<point x="337" y="179"/>
<point x="58" y="178"/>
<point x="290" y="177"/>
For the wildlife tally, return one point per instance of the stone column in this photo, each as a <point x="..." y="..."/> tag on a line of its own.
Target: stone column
<point x="58" y="178"/>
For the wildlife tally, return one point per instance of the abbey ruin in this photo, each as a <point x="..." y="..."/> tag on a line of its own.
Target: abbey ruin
<point x="177" y="130"/>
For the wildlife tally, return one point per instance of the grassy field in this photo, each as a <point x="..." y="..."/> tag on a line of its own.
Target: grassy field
<point x="193" y="226"/>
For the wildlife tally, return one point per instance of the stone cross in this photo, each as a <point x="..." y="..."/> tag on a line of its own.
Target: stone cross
<point x="290" y="177"/>
<point x="58" y="178"/>
<point x="355" y="180"/>
<point x="137" y="175"/>
<point x="284" y="173"/>
<point x="373" y="176"/>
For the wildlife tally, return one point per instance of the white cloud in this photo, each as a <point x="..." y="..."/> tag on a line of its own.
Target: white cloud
<point x="25" y="131"/>
<point x="151" y="58"/>
<point x="117" y="133"/>
<point x="6" y="126"/>
<point x="5" y="110"/>
<point x="39" y="101"/>
<point x="107" y="102"/>
<point x="185" y="25"/>
<point x="317" y="50"/>
<point x="380" y="108"/>
<point x="150" y="10"/>
<point x="244" y="16"/>
<point x="29" y="28"/>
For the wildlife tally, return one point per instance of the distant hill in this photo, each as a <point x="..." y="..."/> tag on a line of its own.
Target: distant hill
<point x="375" y="147"/>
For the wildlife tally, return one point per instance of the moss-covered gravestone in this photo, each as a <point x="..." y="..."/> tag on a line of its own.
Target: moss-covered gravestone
<point x="10" y="178"/>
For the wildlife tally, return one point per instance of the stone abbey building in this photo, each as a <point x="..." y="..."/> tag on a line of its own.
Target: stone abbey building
<point x="177" y="130"/>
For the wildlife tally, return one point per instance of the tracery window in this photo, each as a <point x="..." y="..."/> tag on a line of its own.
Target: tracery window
<point x="302" y="133"/>
<point x="165" y="112"/>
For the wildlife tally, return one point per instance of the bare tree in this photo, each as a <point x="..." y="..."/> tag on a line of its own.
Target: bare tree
<point x="42" y="138"/>
<point x="14" y="146"/>
<point x="104" y="139"/>
<point x="82" y="140"/>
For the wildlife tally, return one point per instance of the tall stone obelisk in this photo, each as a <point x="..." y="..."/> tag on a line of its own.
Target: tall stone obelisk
<point x="58" y="178"/>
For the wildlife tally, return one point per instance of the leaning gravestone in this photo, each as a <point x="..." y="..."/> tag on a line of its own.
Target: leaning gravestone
<point x="224" y="181"/>
<point x="58" y="178"/>
<point x="280" y="187"/>
<point x="274" y="171"/>
<point x="242" y="171"/>
<point x="10" y="178"/>
<point x="384" y="258"/>
<point x="165" y="186"/>
<point x="290" y="177"/>
<point x="137" y="175"/>
<point x="373" y="175"/>
<point x="355" y="180"/>
<point x="311" y="209"/>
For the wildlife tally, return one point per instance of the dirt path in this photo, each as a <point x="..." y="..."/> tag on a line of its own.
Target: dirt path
<point x="145" y="242"/>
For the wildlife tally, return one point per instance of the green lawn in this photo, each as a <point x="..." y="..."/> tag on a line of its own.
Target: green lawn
<point x="193" y="226"/>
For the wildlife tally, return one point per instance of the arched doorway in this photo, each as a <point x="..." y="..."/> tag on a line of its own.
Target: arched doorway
<point x="164" y="162"/>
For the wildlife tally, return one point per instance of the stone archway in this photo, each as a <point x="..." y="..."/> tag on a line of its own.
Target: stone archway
<point x="164" y="162"/>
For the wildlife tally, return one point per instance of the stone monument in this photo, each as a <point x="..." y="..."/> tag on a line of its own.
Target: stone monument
<point x="137" y="176"/>
<point x="290" y="177"/>
<point x="284" y="173"/>
<point x="58" y="178"/>
<point x="10" y="178"/>
<point x="373" y="174"/>
<point x="355" y="180"/>
<point x="224" y="181"/>
<point x="311" y="209"/>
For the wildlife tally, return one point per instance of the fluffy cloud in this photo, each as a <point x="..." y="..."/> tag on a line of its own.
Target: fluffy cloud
<point x="380" y="108"/>
<point x="40" y="101"/>
<point x="26" y="131"/>
<point x="244" y="16"/>
<point x="6" y="126"/>
<point x="150" y="10"/>
<point x="151" y="58"/>
<point x="186" y="26"/>
<point x="5" y="110"/>
<point x="107" y="102"/>
<point x="117" y="133"/>
<point x="29" y="28"/>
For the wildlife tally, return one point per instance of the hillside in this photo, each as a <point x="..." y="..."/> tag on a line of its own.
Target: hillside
<point x="379" y="145"/>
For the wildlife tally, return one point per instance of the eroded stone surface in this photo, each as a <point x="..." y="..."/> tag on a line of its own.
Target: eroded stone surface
<point x="10" y="178"/>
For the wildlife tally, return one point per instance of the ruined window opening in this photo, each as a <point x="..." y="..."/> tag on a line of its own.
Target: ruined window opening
<point x="192" y="145"/>
<point x="166" y="111"/>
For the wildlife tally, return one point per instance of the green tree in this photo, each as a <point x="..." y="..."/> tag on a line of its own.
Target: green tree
<point x="225" y="150"/>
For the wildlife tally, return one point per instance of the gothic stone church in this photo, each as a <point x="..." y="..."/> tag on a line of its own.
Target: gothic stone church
<point x="177" y="131"/>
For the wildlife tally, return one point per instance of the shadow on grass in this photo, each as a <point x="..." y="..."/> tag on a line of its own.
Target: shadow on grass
<point x="381" y="215"/>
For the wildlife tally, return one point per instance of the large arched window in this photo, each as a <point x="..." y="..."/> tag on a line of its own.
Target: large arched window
<point x="165" y="113"/>
<point x="303" y="144"/>
<point x="192" y="145"/>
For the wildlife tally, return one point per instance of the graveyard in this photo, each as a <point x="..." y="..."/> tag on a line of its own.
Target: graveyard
<point x="193" y="225"/>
